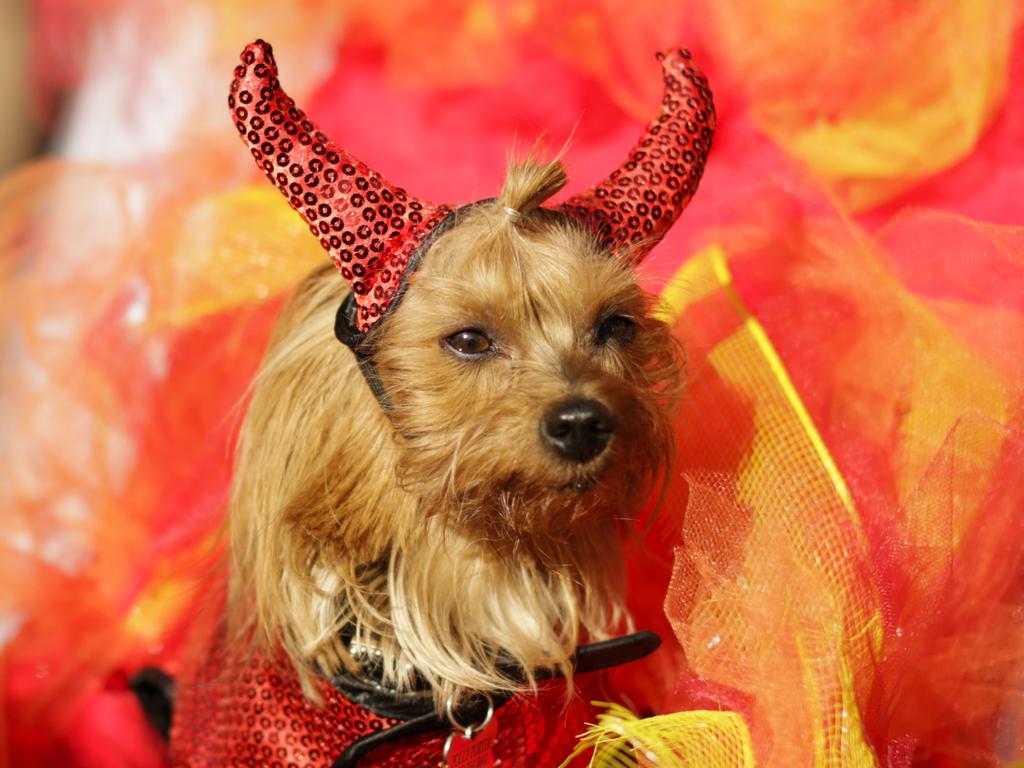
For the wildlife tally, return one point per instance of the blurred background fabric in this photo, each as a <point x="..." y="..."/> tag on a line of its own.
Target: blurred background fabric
<point x="837" y="569"/>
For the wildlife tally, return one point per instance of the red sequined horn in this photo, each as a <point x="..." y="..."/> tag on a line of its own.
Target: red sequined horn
<point x="369" y="226"/>
<point x="634" y="207"/>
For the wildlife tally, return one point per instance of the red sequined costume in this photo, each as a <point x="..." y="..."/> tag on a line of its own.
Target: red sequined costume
<point x="252" y="712"/>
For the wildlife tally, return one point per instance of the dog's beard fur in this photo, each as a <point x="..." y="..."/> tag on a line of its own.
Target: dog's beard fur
<point x="445" y="533"/>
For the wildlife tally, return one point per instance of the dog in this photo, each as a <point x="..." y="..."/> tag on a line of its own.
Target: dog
<point x="425" y="519"/>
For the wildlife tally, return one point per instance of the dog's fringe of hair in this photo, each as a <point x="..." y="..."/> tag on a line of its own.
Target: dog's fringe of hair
<point x="325" y="540"/>
<point x="529" y="182"/>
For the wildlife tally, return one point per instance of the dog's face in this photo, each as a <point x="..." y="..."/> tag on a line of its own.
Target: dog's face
<point x="527" y="378"/>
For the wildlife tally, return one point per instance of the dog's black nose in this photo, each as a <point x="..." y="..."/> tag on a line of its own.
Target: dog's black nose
<point x="577" y="430"/>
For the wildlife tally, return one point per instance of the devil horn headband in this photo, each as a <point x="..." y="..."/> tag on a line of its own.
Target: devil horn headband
<point x="637" y="204"/>
<point x="373" y="229"/>
<point x="369" y="226"/>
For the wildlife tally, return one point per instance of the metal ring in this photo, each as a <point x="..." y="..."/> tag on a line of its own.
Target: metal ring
<point x="469" y="730"/>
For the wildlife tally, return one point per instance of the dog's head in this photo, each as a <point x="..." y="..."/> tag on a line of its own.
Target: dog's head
<point x="526" y="378"/>
<point x="523" y="370"/>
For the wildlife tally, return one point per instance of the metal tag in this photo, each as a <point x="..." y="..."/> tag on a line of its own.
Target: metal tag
<point x="475" y="750"/>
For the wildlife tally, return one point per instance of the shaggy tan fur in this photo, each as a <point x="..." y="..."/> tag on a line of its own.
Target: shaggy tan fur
<point x="446" y="532"/>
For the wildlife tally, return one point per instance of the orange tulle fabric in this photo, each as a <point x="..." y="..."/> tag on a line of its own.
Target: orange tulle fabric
<point x="874" y="95"/>
<point x="836" y="570"/>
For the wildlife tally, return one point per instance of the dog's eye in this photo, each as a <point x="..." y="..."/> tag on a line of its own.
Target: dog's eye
<point x="469" y="343"/>
<point x="616" y="328"/>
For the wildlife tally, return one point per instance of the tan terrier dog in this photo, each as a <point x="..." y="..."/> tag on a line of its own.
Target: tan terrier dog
<point x="438" y="515"/>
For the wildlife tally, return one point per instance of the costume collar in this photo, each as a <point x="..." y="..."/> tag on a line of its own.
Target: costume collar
<point x="416" y="708"/>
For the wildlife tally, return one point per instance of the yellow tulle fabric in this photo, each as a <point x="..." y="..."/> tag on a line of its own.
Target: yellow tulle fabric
<point x="792" y="501"/>
<point x="225" y="251"/>
<point x="619" y="739"/>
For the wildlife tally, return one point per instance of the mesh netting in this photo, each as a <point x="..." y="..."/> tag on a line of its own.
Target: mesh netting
<point x="858" y="603"/>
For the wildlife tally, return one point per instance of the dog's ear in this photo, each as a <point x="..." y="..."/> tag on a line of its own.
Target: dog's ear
<point x="636" y="205"/>
<point x="369" y="226"/>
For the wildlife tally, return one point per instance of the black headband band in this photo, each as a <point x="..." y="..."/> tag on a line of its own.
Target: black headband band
<point x="360" y="342"/>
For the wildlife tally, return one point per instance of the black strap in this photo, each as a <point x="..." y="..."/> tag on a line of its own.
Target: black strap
<point x="345" y="329"/>
<point x="593" y="657"/>
<point x="154" y="689"/>
<point x="588" y="658"/>
<point x="428" y="723"/>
